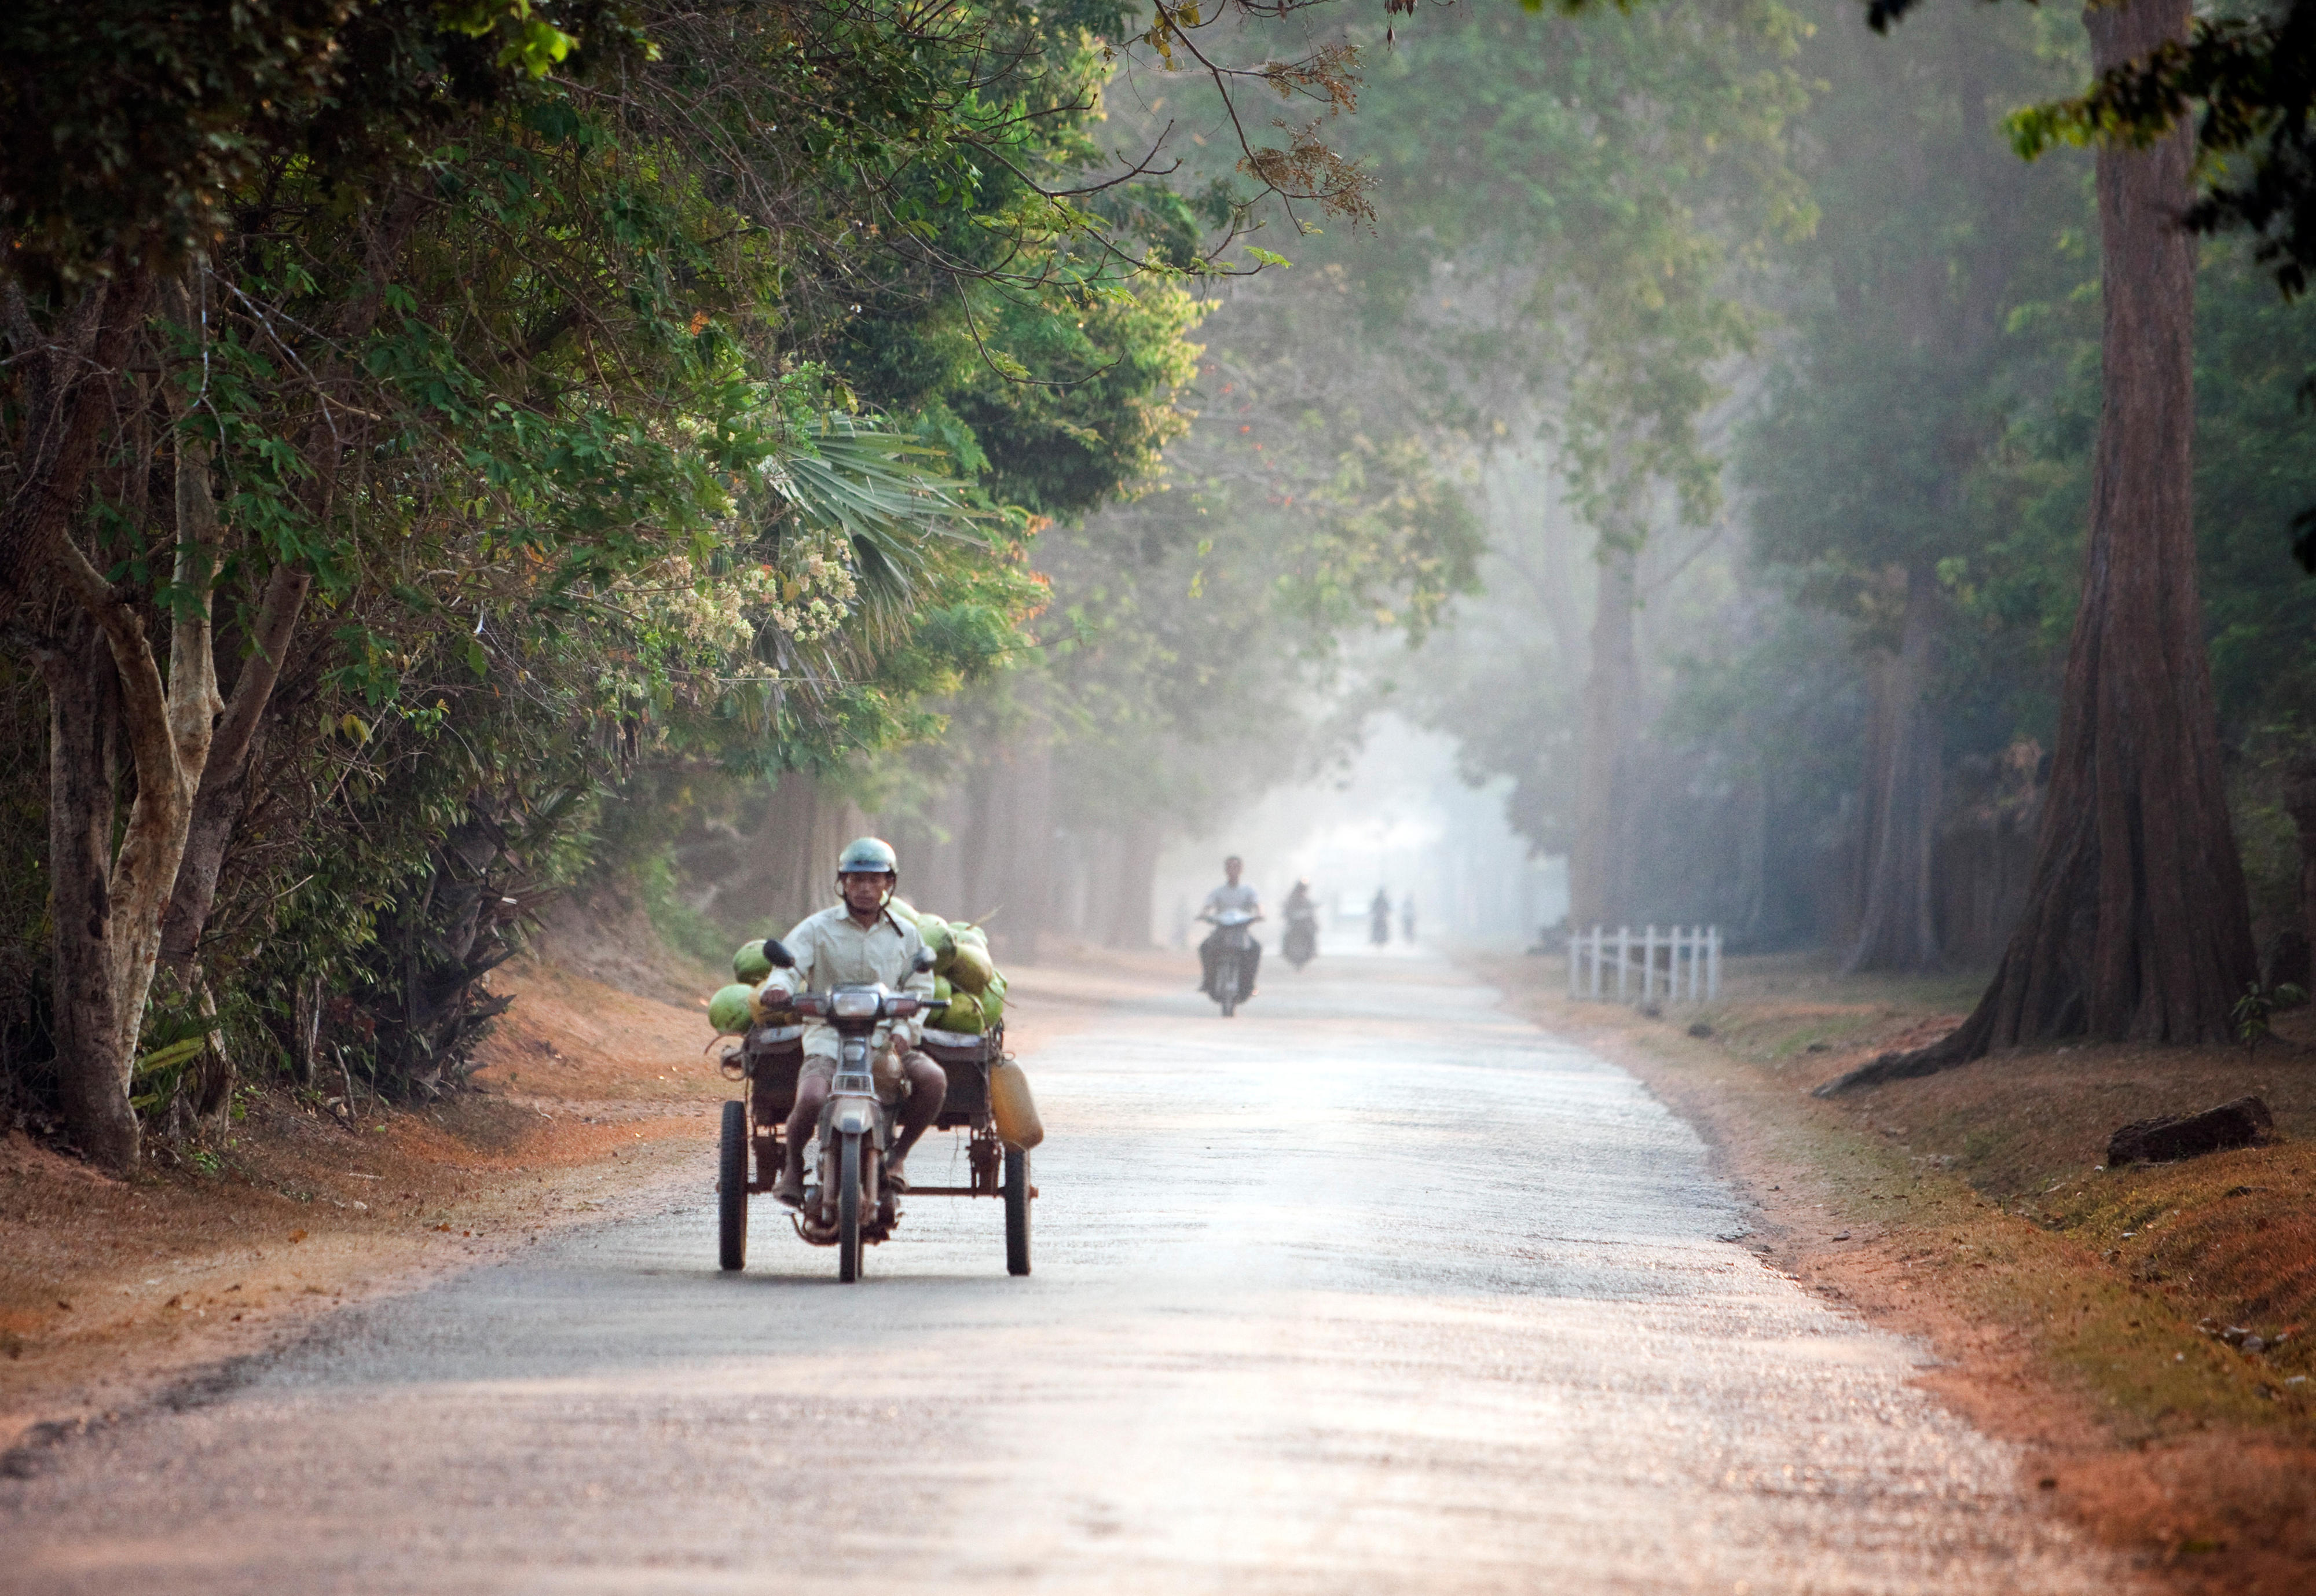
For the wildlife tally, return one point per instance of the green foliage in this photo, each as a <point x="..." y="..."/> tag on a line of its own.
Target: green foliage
<point x="2255" y="1009"/>
<point x="1572" y="246"/>
<point x="2247" y="78"/>
<point x="1934" y="321"/>
<point x="2253" y="469"/>
<point x="131" y="130"/>
<point x="643" y="387"/>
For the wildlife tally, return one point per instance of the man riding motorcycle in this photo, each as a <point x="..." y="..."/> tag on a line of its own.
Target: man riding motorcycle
<point x="1230" y="895"/>
<point x="859" y="941"/>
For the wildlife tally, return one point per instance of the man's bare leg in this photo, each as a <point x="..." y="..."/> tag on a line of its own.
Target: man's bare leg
<point x="811" y="1092"/>
<point x="928" y="1090"/>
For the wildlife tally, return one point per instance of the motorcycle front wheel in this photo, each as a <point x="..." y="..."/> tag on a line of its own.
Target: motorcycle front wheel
<point x="847" y="1210"/>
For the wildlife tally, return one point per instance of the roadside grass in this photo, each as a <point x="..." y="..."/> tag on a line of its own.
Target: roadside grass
<point x="1973" y="1207"/>
<point x="2146" y="1253"/>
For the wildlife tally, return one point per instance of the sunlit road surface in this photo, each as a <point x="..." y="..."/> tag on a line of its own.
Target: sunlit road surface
<point x="1371" y="1289"/>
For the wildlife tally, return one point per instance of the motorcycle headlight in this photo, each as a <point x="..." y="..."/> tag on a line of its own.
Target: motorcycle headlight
<point x="856" y="1005"/>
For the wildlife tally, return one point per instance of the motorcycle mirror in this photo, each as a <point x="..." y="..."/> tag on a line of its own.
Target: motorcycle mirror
<point x="924" y="960"/>
<point x="778" y="956"/>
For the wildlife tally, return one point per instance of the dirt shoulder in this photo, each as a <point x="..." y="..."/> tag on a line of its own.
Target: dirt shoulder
<point x="593" y="1103"/>
<point x="2064" y="1299"/>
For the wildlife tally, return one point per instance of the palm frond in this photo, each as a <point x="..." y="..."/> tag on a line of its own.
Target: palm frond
<point x="888" y="495"/>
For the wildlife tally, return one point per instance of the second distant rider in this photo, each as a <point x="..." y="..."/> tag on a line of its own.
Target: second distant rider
<point x="861" y="942"/>
<point x="1231" y="894"/>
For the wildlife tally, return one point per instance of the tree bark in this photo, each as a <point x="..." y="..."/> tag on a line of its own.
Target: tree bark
<point x="2300" y="804"/>
<point x="224" y="778"/>
<point x="93" y="1063"/>
<point x="1027" y="839"/>
<point x="1897" y="929"/>
<point x="1611" y="687"/>
<point x="1129" y="898"/>
<point x="2137" y="927"/>
<point x="70" y="383"/>
<point x="104" y="962"/>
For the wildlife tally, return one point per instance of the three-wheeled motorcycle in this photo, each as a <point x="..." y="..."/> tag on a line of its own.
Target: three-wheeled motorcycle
<point x="846" y="1203"/>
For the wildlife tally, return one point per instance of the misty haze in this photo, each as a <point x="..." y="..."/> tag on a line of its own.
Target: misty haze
<point x="1202" y="796"/>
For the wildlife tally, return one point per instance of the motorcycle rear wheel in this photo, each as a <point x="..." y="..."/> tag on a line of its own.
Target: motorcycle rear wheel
<point x="847" y="1210"/>
<point x="732" y="1189"/>
<point x="1017" y="1211"/>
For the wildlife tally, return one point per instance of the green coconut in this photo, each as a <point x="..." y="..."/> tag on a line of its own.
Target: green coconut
<point x="943" y="990"/>
<point x="750" y="964"/>
<point x="963" y="1014"/>
<point x="937" y="937"/>
<point x="992" y="1005"/>
<point x="971" y="971"/>
<point x="902" y="907"/>
<point x="729" y="1012"/>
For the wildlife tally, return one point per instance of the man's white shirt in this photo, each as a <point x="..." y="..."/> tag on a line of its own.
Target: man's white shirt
<point x="832" y="949"/>
<point x="1227" y="896"/>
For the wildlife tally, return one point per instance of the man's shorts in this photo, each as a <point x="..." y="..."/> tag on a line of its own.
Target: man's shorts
<point x="890" y="1072"/>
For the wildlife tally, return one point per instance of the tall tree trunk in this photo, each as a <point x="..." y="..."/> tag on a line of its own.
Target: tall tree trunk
<point x="2136" y="925"/>
<point x="1897" y="927"/>
<point x="105" y="957"/>
<point x="979" y="879"/>
<point x="2300" y="804"/>
<point x="1028" y="822"/>
<point x="1129" y="896"/>
<point x="1611" y="689"/>
<point x="83" y="721"/>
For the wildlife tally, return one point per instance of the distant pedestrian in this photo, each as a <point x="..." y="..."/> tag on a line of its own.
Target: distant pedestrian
<point x="1379" y="919"/>
<point x="1407" y="918"/>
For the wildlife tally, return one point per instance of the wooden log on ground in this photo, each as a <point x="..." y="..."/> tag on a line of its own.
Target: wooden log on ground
<point x="2167" y="1138"/>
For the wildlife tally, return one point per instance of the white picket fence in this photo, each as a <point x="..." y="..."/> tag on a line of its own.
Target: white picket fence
<point x="1634" y="957"/>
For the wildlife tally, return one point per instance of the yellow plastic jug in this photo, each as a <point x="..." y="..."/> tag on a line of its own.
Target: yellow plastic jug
<point x="1011" y="1107"/>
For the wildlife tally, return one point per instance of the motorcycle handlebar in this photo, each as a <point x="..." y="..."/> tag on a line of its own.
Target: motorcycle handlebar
<point x="814" y="1005"/>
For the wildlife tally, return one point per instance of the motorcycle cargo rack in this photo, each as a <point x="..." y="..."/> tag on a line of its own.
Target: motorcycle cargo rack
<point x="774" y="1059"/>
<point x="964" y="1059"/>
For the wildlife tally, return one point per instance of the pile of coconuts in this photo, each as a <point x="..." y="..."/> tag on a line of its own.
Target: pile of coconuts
<point x="968" y="991"/>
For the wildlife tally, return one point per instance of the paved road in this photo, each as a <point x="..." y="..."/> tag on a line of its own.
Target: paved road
<point x="1371" y="1290"/>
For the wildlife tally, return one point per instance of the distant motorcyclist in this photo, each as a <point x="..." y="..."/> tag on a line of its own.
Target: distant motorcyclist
<point x="1379" y="919"/>
<point x="1301" y="941"/>
<point x="861" y="942"/>
<point x="1230" y="895"/>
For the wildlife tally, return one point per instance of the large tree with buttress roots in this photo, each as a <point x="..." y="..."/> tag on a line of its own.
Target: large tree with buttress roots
<point x="2136" y="926"/>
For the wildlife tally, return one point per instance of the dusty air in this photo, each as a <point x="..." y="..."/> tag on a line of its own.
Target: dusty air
<point x="1242" y="797"/>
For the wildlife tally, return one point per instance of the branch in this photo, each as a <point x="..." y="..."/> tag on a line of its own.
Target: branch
<point x="144" y="700"/>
